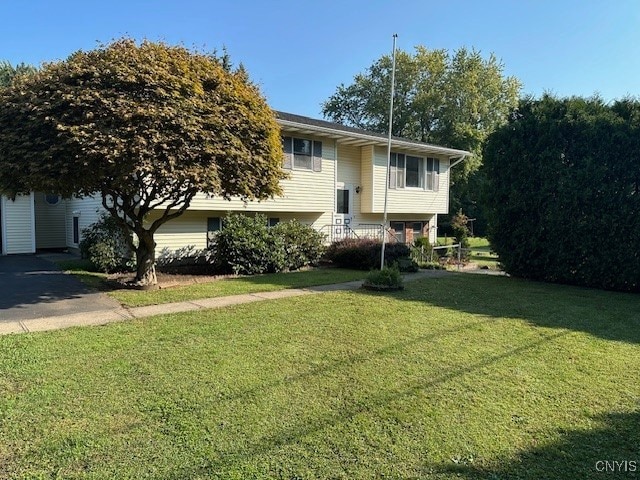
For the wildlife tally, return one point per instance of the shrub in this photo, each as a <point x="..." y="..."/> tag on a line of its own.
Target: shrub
<point x="407" y="265"/>
<point x="431" y="266"/>
<point x="303" y="245"/>
<point x="106" y="246"/>
<point x="423" y="250"/>
<point x="364" y="253"/>
<point x="387" y="278"/>
<point x="246" y="245"/>
<point x="460" y="229"/>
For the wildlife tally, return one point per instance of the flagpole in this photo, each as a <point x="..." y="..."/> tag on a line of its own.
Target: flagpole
<point x="386" y="183"/>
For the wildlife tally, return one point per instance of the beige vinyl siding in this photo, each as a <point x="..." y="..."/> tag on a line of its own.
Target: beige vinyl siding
<point x="409" y="200"/>
<point x="188" y="232"/>
<point x="19" y="225"/>
<point x="50" y="222"/>
<point x="303" y="191"/>
<point x="366" y="179"/>
<point x="87" y="210"/>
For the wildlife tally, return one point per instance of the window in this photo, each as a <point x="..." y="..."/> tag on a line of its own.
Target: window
<point x="302" y="154"/>
<point x="342" y="201"/>
<point x="214" y="224"/>
<point x="433" y="174"/>
<point x="398" y="229"/>
<point x="76" y="230"/>
<point x="396" y="170"/>
<point x="417" y="230"/>
<point x="406" y="171"/>
<point x="51" y="199"/>
<point x="415" y="172"/>
<point x="273" y="221"/>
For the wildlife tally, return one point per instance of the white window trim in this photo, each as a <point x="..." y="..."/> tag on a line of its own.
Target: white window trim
<point x="424" y="174"/>
<point x="312" y="157"/>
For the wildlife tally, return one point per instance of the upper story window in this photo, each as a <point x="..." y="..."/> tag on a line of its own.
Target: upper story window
<point x="406" y="171"/>
<point x="302" y="154"/>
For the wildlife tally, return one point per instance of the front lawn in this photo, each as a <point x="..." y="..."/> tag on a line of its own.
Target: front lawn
<point x="216" y="288"/>
<point x="463" y="376"/>
<point x="481" y="253"/>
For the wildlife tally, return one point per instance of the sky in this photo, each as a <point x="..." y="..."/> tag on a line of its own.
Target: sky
<point x="299" y="52"/>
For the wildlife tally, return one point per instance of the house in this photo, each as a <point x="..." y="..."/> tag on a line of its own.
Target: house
<point x="336" y="184"/>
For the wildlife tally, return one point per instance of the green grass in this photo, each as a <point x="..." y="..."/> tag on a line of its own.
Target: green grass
<point x="481" y="253"/>
<point x="463" y="376"/>
<point x="217" y="288"/>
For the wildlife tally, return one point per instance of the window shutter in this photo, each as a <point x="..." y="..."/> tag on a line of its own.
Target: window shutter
<point x="436" y="175"/>
<point x="288" y="152"/>
<point x="317" y="156"/>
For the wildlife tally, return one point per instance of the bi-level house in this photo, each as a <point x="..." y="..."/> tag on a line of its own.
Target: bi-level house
<point x="336" y="184"/>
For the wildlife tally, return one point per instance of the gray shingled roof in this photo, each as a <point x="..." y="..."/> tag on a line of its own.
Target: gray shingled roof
<point x="313" y="123"/>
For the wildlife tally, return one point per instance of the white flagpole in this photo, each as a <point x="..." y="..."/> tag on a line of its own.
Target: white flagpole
<point x="386" y="183"/>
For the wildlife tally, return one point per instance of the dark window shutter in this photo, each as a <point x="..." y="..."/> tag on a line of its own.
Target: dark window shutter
<point x="288" y="152"/>
<point x="317" y="156"/>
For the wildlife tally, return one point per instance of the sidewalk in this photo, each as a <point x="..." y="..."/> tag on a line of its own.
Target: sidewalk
<point x="103" y="317"/>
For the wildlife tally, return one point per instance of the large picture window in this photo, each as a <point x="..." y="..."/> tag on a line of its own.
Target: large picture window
<point x="302" y="154"/>
<point x="406" y="171"/>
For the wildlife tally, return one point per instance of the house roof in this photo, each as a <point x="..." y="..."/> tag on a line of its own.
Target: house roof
<point x="359" y="137"/>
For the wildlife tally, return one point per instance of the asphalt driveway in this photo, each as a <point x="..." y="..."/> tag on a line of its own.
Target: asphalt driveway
<point x="32" y="287"/>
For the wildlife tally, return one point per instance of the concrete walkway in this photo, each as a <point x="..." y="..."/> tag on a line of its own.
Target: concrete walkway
<point x="120" y="314"/>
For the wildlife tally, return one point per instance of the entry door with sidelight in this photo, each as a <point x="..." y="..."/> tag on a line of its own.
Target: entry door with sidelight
<point x="343" y="215"/>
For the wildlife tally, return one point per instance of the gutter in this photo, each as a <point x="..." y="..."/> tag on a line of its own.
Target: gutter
<point x="375" y="139"/>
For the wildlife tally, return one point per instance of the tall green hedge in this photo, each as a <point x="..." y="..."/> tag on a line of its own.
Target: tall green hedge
<point x="563" y="196"/>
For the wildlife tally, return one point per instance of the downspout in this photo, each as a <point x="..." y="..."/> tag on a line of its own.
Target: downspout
<point x="462" y="158"/>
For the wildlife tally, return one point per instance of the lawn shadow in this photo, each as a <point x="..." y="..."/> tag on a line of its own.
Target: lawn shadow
<point x="293" y="435"/>
<point x="605" y="314"/>
<point x="611" y="449"/>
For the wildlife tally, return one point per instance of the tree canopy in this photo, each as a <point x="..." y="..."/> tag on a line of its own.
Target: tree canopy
<point x="447" y="99"/>
<point x="145" y="126"/>
<point x="453" y="99"/>
<point x="563" y="192"/>
<point x="8" y="72"/>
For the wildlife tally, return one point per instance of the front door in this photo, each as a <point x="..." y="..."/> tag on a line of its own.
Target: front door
<point x="343" y="216"/>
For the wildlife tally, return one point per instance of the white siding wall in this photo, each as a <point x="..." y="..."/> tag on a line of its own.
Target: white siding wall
<point x="18" y="225"/>
<point x="50" y="223"/>
<point x="407" y="200"/>
<point x="86" y="209"/>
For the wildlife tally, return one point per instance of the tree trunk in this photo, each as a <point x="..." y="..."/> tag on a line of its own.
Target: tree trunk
<point x="146" y="260"/>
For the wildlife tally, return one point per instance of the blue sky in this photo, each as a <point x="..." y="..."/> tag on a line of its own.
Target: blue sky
<point x="300" y="51"/>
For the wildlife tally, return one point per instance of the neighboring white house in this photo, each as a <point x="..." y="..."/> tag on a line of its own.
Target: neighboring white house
<point x="336" y="184"/>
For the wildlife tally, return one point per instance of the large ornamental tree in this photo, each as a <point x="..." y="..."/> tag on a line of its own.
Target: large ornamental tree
<point x="146" y="127"/>
<point x="563" y="192"/>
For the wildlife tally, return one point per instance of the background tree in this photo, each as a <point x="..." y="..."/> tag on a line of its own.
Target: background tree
<point x="455" y="100"/>
<point x="563" y="196"/>
<point x="8" y="72"/>
<point x="145" y="127"/>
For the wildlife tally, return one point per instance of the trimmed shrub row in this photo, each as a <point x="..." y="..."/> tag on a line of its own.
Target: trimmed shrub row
<point x="364" y="253"/>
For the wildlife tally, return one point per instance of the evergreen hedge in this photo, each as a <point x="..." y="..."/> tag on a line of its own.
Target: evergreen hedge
<point x="563" y="196"/>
